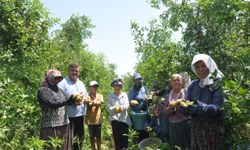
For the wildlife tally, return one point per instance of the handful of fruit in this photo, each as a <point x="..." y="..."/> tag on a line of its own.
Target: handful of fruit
<point x="150" y="96"/>
<point x="133" y="102"/>
<point x="181" y="102"/>
<point x="118" y="109"/>
<point x="78" y="98"/>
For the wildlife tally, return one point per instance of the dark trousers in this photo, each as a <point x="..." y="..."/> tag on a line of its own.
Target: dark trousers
<point x="77" y="129"/>
<point x="118" y="129"/>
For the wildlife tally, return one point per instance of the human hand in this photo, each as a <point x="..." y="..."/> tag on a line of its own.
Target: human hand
<point x="77" y="98"/>
<point x="169" y="110"/>
<point x="133" y="103"/>
<point x="118" y="109"/>
<point x="192" y="109"/>
<point x="97" y="103"/>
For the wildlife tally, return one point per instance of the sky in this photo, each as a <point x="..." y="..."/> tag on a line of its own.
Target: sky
<point x="112" y="34"/>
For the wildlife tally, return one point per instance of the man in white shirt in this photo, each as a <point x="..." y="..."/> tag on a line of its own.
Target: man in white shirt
<point x="76" y="112"/>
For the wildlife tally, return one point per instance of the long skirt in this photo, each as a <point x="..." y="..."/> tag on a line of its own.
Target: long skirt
<point x="61" y="132"/>
<point x="207" y="135"/>
<point x="179" y="134"/>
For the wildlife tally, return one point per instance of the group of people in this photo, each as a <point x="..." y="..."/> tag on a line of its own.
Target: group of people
<point x="198" y="126"/>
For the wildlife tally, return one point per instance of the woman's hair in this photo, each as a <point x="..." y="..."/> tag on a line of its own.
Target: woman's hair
<point x="185" y="78"/>
<point x="175" y="76"/>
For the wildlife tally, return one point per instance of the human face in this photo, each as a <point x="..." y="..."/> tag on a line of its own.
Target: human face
<point x="117" y="88"/>
<point x="56" y="80"/>
<point x="74" y="73"/>
<point x="201" y="69"/>
<point x="176" y="82"/>
<point x="93" y="89"/>
<point x="157" y="112"/>
<point x="138" y="82"/>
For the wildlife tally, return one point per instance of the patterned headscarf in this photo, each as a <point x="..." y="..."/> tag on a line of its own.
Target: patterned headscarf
<point x="51" y="74"/>
<point x="211" y="65"/>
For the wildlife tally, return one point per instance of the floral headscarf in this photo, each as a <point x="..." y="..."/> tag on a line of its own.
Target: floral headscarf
<point x="52" y="73"/>
<point x="211" y="65"/>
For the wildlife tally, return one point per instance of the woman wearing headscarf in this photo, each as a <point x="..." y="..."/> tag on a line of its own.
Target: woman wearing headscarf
<point x="118" y="105"/>
<point x="179" y="128"/>
<point x="54" y="120"/>
<point x="206" y="92"/>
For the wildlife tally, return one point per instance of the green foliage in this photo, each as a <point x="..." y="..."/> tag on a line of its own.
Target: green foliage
<point x="18" y="114"/>
<point x="131" y="135"/>
<point x="215" y="27"/>
<point x="237" y="112"/>
<point x="158" y="56"/>
<point x="73" y="32"/>
<point x="23" y="32"/>
<point x="128" y="82"/>
<point x="27" y="52"/>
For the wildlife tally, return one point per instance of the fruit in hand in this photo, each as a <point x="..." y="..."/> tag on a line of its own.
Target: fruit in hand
<point x="150" y="96"/>
<point x="74" y="96"/>
<point x="133" y="102"/>
<point x="118" y="109"/>
<point x="180" y="102"/>
<point x="78" y="98"/>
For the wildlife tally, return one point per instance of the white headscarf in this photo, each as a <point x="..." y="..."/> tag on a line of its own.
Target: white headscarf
<point x="211" y="65"/>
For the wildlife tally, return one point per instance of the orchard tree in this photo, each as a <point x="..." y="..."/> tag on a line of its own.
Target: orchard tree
<point x="73" y="33"/>
<point x="23" y="33"/>
<point x="158" y="55"/>
<point x="219" y="28"/>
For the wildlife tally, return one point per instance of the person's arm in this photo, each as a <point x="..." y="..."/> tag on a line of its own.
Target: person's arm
<point x="190" y="90"/>
<point x="141" y="105"/>
<point x="125" y="104"/>
<point x="61" y="85"/>
<point x="110" y="106"/>
<point x="85" y="93"/>
<point x="98" y="101"/>
<point x="211" y="109"/>
<point x="45" y="97"/>
<point x="168" y="110"/>
<point x="202" y="109"/>
<point x="131" y="94"/>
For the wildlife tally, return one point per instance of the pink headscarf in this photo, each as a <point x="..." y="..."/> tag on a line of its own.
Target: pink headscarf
<point x="51" y="73"/>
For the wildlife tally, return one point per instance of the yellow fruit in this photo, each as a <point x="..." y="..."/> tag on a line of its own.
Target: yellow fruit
<point x="79" y="98"/>
<point x="180" y="102"/>
<point x="74" y="96"/>
<point x="133" y="102"/>
<point x="183" y="104"/>
<point x="118" y="109"/>
<point x="173" y="103"/>
<point x="189" y="103"/>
